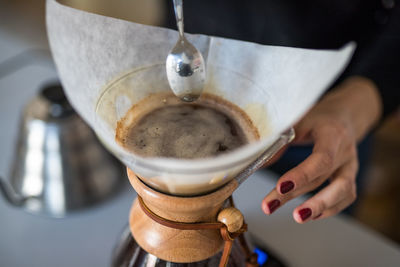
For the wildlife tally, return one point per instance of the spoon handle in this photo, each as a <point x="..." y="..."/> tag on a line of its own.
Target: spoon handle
<point x="178" y="6"/>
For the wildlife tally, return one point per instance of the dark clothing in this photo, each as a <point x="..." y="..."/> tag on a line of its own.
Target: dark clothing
<point x="319" y="24"/>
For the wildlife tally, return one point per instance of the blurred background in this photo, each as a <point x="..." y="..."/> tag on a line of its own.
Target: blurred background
<point x="23" y="42"/>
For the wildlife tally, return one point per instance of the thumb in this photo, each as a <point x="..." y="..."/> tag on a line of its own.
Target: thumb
<point x="303" y="133"/>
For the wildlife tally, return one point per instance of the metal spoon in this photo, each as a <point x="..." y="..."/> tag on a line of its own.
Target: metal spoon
<point x="185" y="64"/>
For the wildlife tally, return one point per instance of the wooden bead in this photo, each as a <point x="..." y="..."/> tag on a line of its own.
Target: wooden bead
<point x="232" y="218"/>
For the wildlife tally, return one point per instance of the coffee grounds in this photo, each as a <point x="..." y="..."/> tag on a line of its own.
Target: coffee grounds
<point x="184" y="131"/>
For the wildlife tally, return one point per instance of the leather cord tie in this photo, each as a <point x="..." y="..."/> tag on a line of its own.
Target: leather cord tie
<point x="228" y="237"/>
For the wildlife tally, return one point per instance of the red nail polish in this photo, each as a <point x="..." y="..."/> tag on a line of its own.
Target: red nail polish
<point x="273" y="205"/>
<point x="286" y="187"/>
<point x="305" y="214"/>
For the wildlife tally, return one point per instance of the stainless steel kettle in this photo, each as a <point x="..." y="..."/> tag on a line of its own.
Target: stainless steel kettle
<point x="60" y="166"/>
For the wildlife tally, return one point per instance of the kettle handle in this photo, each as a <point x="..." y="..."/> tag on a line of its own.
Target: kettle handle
<point x="10" y="195"/>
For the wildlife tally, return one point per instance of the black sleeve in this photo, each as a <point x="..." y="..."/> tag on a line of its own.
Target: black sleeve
<point x="378" y="56"/>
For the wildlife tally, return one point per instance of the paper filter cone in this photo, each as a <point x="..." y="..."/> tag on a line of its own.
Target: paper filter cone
<point x="107" y="65"/>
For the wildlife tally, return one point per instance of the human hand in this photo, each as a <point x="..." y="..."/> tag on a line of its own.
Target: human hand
<point x="334" y="125"/>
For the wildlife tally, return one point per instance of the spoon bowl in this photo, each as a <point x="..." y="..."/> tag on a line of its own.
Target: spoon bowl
<point x="185" y="65"/>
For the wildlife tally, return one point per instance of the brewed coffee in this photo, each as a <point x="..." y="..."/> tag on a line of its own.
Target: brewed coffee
<point x="206" y="128"/>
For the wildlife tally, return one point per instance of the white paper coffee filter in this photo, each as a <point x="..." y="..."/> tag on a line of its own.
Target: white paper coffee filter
<point x="106" y="65"/>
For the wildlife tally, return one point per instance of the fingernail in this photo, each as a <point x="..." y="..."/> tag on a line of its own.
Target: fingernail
<point x="305" y="214"/>
<point x="273" y="205"/>
<point x="286" y="187"/>
<point x="316" y="217"/>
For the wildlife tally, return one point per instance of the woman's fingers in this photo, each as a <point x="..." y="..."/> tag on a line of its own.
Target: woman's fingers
<point x="334" y="126"/>
<point x="274" y="199"/>
<point x="334" y="155"/>
<point x="272" y="202"/>
<point x="340" y="193"/>
<point x="321" y="162"/>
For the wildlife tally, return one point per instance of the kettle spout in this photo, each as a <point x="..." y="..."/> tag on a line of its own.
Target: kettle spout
<point x="10" y="195"/>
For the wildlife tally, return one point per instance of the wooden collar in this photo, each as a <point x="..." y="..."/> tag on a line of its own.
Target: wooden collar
<point x="228" y="237"/>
